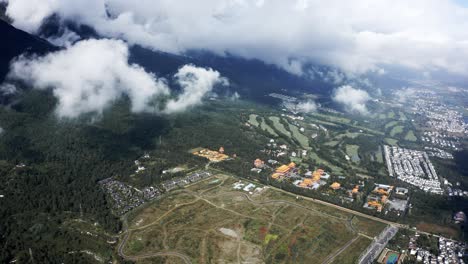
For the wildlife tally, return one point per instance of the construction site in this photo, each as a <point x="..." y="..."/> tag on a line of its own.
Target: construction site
<point x="211" y="155"/>
<point x="238" y="221"/>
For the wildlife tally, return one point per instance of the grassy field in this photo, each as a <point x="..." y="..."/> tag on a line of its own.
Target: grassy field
<point x="303" y="140"/>
<point x="350" y="135"/>
<point x="379" y="155"/>
<point x="352" y="253"/>
<point x="332" y="143"/>
<point x="352" y="151"/>
<point x="402" y="116"/>
<point x="253" y="120"/>
<point x="391" y="124"/>
<point x="391" y="141"/>
<point x="211" y="222"/>
<point x="331" y="118"/>
<point x="410" y="136"/>
<point x="267" y="128"/>
<point x="396" y="130"/>
<point x="279" y="126"/>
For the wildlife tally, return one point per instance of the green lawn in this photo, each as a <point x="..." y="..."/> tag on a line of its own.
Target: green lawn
<point x="253" y="120"/>
<point x="390" y="124"/>
<point x="391" y="141"/>
<point x="264" y="126"/>
<point x="396" y="130"/>
<point x="303" y="140"/>
<point x="279" y="126"/>
<point x="352" y="151"/>
<point x="410" y="136"/>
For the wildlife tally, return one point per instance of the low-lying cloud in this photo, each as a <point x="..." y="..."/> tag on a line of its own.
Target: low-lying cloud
<point x="356" y="36"/>
<point x="7" y="89"/>
<point x="354" y="100"/>
<point x="88" y="76"/>
<point x="306" y="107"/>
<point x="195" y="82"/>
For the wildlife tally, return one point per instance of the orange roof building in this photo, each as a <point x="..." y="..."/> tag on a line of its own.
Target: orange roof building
<point x="283" y="169"/>
<point x="375" y="204"/>
<point x="356" y="189"/>
<point x="384" y="199"/>
<point x="381" y="191"/>
<point x="276" y="175"/>
<point x="292" y="165"/>
<point x="259" y="163"/>
<point x="335" y="186"/>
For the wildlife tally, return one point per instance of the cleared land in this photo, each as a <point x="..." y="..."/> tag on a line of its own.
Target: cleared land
<point x="352" y="253"/>
<point x="211" y="222"/>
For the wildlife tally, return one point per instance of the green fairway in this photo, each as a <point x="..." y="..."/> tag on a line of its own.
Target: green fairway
<point x="391" y="141"/>
<point x="410" y="136"/>
<point x="390" y="124"/>
<point x="264" y="126"/>
<point x="396" y="130"/>
<point x="303" y="140"/>
<point x="279" y="126"/>
<point x="253" y="120"/>
<point x="352" y="151"/>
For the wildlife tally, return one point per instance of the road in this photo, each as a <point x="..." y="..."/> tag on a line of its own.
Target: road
<point x="378" y="244"/>
<point x="186" y="259"/>
<point x="330" y="258"/>
<point x="403" y="226"/>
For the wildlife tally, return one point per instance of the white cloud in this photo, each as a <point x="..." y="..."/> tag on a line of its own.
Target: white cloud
<point x="7" y="89"/>
<point x="356" y="36"/>
<point x="88" y="76"/>
<point x="235" y="96"/>
<point x="306" y="107"/>
<point x="66" y="39"/>
<point x="196" y="83"/>
<point x="354" y="100"/>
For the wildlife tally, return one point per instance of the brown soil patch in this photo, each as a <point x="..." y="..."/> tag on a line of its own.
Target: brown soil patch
<point x="446" y="231"/>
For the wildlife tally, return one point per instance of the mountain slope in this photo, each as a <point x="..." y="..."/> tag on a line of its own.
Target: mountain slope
<point x="16" y="42"/>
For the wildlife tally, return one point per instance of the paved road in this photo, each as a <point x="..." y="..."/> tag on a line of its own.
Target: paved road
<point x="330" y="258"/>
<point x="379" y="243"/>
